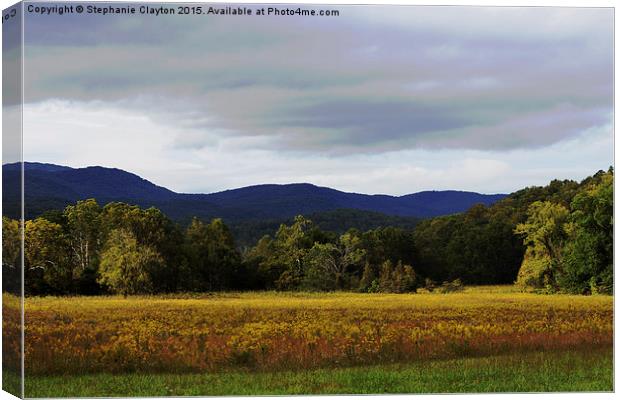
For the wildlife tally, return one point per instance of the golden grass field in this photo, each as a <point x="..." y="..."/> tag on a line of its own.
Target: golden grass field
<point x="296" y="331"/>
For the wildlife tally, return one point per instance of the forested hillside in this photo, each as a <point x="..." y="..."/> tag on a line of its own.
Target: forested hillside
<point x="337" y="221"/>
<point x="553" y="238"/>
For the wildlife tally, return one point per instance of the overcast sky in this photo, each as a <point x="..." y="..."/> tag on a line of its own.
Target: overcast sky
<point x="378" y="100"/>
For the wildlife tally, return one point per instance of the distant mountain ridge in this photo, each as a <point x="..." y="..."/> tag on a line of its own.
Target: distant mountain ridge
<point x="50" y="186"/>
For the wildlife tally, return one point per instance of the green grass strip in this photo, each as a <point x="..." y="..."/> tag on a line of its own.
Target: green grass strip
<point x="564" y="371"/>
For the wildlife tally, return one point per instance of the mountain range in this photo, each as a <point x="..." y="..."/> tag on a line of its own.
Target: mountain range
<point x="49" y="186"/>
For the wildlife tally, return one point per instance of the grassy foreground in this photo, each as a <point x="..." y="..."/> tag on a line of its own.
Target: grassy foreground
<point x="531" y="372"/>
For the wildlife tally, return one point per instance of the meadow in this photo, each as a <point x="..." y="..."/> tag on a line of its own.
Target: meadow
<point x="482" y="339"/>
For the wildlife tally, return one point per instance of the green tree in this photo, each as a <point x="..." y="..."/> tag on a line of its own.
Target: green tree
<point x="46" y="258"/>
<point x="385" y="277"/>
<point x="11" y="255"/>
<point x="118" y="215"/>
<point x="259" y="260"/>
<point x="126" y="265"/>
<point x="84" y="236"/>
<point x="151" y="228"/>
<point x="323" y="268"/>
<point x="11" y="243"/>
<point x="291" y="245"/>
<point x="156" y="230"/>
<point x="589" y="253"/>
<point x="212" y="255"/>
<point x="409" y="279"/>
<point x="335" y="263"/>
<point x="544" y="233"/>
<point x="369" y="276"/>
<point x="397" y="278"/>
<point x="351" y="251"/>
<point x="388" y="243"/>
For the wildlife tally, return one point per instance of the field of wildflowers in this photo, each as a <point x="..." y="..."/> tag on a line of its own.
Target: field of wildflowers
<point x="297" y="331"/>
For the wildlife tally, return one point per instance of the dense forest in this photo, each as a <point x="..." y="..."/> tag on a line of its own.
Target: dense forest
<point x="553" y="238"/>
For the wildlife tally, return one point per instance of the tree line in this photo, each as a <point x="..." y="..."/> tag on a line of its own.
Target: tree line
<point x="552" y="238"/>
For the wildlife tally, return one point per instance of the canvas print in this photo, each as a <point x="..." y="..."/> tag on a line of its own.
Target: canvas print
<point x="214" y="199"/>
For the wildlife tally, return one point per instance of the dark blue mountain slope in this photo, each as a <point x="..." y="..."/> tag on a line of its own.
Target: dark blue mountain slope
<point x="53" y="186"/>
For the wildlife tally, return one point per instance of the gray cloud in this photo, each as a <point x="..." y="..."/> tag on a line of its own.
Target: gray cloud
<point x="374" y="79"/>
